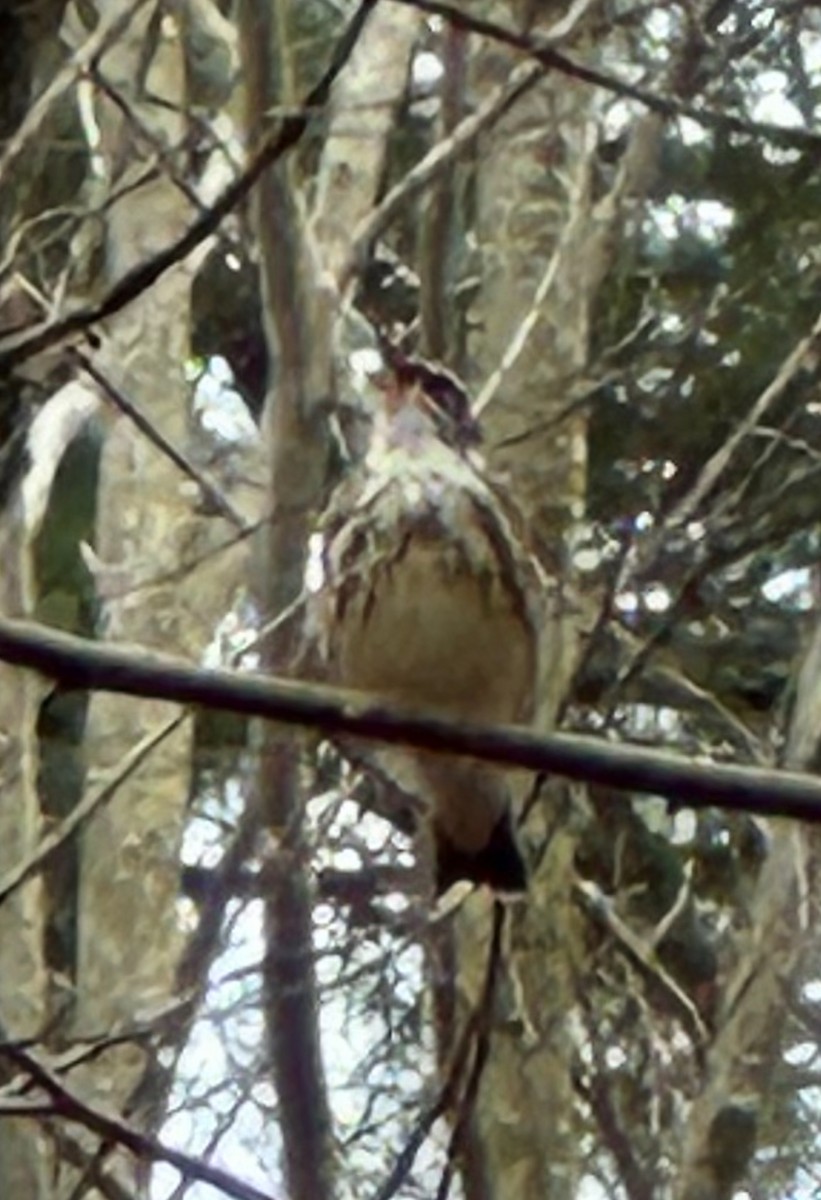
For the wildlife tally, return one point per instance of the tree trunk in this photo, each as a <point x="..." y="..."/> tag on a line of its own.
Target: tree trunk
<point x="24" y="1154"/>
<point x="150" y="528"/>
<point x="743" y="1059"/>
<point x="547" y="243"/>
<point x="303" y="270"/>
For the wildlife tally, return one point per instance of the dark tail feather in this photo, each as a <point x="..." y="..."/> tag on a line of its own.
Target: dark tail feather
<point x="499" y="864"/>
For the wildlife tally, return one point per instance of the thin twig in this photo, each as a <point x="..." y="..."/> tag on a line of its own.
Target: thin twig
<point x="601" y="908"/>
<point x="542" y="49"/>
<point x="437" y="160"/>
<point x="484" y="1011"/>
<point x="83" y="811"/>
<point x="521" y="335"/>
<point x="18" y="348"/>
<point x="448" y="1092"/>
<point x="717" y="464"/>
<point x="210" y="492"/>
<point x="69" y="1107"/>
<point x="111" y="27"/>
<point x="163" y="154"/>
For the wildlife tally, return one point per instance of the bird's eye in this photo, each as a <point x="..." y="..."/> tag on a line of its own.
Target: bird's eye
<point x="453" y="405"/>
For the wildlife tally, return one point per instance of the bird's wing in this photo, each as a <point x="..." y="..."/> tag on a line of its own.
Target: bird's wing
<point x="434" y="604"/>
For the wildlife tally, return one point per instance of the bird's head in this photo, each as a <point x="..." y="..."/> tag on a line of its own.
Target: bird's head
<point x="421" y="398"/>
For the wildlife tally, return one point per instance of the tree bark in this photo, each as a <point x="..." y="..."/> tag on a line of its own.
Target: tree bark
<point x="546" y="245"/>
<point x="741" y="1069"/>
<point x="302" y="275"/>
<point x="149" y="525"/>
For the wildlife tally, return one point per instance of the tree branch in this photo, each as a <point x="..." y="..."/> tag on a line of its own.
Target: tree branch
<point x="85" y="809"/>
<point x="111" y="27"/>
<point x="19" y="347"/>
<point x="79" y="663"/>
<point x="801" y="354"/>
<point x="470" y="1048"/>
<point x="69" y="1107"/>
<point x="437" y="160"/>
<point x="543" y="51"/>
<point x="482" y="1020"/>
<point x="209" y="491"/>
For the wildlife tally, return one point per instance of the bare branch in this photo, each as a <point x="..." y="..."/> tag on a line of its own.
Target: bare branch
<point x="798" y="357"/>
<point x="542" y="49"/>
<point x="20" y="347"/>
<point x="643" y="954"/>
<point x="366" y="100"/>
<point x="90" y="803"/>
<point x="111" y="27"/>
<point x="80" y="663"/>
<point x="596" y="1093"/>
<point x="467" y="1103"/>
<point x="473" y="1038"/>
<point x="437" y="160"/>
<point x="530" y="320"/>
<point x="209" y="490"/>
<point x="69" y="1107"/>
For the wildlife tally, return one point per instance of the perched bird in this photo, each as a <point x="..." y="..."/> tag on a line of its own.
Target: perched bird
<point x="433" y="603"/>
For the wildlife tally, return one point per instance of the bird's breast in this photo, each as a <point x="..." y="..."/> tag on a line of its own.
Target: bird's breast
<point x="430" y="600"/>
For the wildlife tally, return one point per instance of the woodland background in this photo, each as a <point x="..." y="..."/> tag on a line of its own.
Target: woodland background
<point x="605" y="216"/>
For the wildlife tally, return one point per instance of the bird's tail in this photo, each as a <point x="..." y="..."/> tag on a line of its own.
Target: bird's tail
<point x="498" y="864"/>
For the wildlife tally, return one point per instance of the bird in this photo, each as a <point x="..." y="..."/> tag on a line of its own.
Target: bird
<point x="432" y="602"/>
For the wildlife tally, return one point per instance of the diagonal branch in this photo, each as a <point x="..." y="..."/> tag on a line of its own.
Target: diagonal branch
<point x="437" y="160"/>
<point x="211" y="494"/>
<point x="543" y="51"/>
<point x="643" y="955"/>
<point x="20" y="347"/>
<point x="801" y="354"/>
<point x="69" y="1107"/>
<point x="83" y="811"/>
